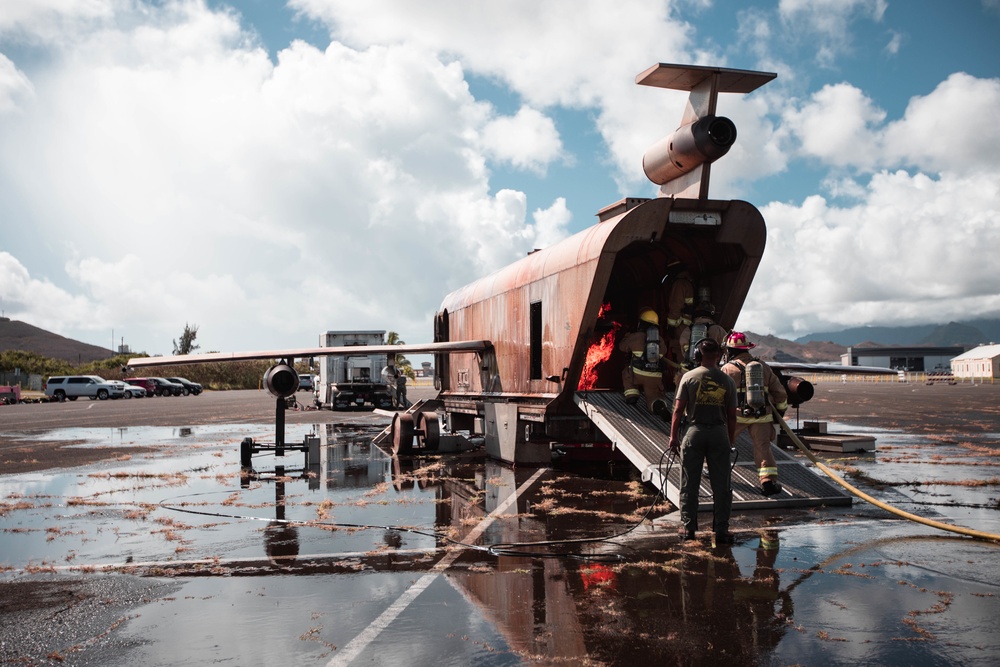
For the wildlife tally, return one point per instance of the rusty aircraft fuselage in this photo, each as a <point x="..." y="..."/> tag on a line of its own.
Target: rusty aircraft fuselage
<point x="546" y="312"/>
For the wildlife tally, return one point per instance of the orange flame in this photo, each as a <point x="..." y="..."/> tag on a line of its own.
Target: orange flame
<point x="599" y="352"/>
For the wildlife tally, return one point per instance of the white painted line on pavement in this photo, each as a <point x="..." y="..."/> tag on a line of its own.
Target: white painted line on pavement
<point x="354" y="647"/>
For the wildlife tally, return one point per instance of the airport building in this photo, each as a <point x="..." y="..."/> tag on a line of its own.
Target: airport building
<point x="981" y="363"/>
<point x="917" y="358"/>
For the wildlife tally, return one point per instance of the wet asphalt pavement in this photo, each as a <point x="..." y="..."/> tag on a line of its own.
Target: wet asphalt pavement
<point x="155" y="550"/>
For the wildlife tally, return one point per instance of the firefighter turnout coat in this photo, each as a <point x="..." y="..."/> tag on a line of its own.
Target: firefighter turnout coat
<point x="759" y="422"/>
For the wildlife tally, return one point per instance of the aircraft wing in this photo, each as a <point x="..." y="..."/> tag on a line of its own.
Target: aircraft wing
<point x="448" y="347"/>
<point x="830" y="368"/>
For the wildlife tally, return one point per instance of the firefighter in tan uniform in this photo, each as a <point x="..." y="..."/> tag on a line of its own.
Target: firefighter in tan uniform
<point x="757" y="388"/>
<point x="644" y="372"/>
<point x="680" y="300"/>
<point x="703" y="326"/>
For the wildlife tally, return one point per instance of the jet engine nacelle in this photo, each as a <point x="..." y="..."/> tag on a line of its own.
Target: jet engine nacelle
<point x="701" y="142"/>
<point x="281" y="381"/>
<point x="799" y="390"/>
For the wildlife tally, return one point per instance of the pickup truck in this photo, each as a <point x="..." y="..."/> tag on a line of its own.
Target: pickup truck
<point x="61" y="387"/>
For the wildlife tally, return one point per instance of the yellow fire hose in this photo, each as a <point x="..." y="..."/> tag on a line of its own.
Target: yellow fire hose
<point x="878" y="503"/>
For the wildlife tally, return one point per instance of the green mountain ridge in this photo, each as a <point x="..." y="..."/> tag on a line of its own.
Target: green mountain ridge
<point x="970" y="334"/>
<point x="17" y="335"/>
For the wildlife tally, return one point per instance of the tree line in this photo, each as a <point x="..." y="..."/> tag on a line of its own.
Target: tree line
<point x="224" y="375"/>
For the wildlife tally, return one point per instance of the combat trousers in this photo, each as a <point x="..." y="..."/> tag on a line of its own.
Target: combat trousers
<point x="763" y="456"/>
<point x="703" y="443"/>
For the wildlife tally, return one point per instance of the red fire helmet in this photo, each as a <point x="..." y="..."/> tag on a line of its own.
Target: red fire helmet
<point x="738" y="341"/>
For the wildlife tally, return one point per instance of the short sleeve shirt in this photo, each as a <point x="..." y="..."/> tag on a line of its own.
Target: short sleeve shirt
<point x="709" y="393"/>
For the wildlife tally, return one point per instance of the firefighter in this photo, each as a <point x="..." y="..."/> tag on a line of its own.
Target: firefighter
<point x="703" y="326"/>
<point x="644" y="372"/>
<point x="680" y="299"/>
<point x="759" y="392"/>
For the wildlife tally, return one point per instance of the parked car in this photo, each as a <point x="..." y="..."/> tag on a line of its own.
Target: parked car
<point x="146" y="384"/>
<point x="306" y="382"/>
<point x="10" y="394"/>
<point x="157" y="386"/>
<point x="134" y="390"/>
<point x="189" y="387"/>
<point x="61" y="387"/>
<point x="164" y="387"/>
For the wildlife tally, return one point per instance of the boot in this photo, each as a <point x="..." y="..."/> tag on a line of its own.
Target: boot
<point x="770" y="488"/>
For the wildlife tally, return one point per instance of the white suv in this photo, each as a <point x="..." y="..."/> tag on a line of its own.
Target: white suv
<point x="61" y="387"/>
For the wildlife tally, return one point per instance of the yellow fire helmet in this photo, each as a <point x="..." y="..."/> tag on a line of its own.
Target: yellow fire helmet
<point x="649" y="316"/>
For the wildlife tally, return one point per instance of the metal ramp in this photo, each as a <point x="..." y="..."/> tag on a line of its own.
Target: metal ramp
<point x="643" y="437"/>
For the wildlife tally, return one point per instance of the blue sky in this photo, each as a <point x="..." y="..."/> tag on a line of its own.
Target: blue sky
<point x="267" y="171"/>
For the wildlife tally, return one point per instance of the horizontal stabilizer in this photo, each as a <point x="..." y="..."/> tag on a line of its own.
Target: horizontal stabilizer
<point x="689" y="77"/>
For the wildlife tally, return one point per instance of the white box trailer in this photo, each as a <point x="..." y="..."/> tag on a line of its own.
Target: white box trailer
<point x="353" y="380"/>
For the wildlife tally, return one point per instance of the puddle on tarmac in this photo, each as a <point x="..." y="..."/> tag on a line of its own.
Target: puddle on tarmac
<point x="837" y="586"/>
<point x="956" y="474"/>
<point x="137" y="436"/>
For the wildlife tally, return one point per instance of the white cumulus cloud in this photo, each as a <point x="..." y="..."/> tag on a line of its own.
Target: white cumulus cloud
<point x="917" y="249"/>
<point x="231" y="190"/>
<point x="528" y="140"/>
<point x="14" y="85"/>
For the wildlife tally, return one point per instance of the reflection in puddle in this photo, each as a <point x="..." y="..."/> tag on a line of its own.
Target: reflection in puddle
<point x="139" y="436"/>
<point x="294" y="563"/>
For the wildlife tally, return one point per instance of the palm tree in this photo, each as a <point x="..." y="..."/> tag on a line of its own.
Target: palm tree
<point x="402" y="363"/>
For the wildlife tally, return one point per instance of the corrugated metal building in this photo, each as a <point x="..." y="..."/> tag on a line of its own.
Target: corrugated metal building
<point x="916" y="358"/>
<point x="982" y="362"/>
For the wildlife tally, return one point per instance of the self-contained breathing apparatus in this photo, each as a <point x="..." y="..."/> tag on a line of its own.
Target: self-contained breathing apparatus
<point x="651" y="356"/>
<point x="699" y="331"/>
<point x="650" y="361"/>
<point x="751" y="395"/>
